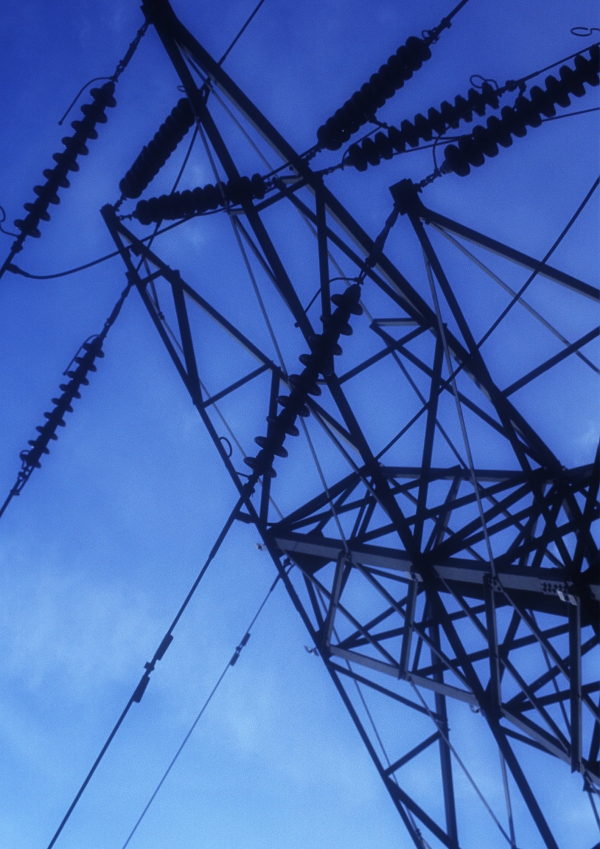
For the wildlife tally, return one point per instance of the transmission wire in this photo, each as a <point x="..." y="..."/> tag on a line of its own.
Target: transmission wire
<point x="536" y="271"/>
<point x="459" y="410"/>
<point x="548" y="325"/>
<point x="542" y="262"/>
<point x="14" y="269"/>
<point x="240" y="33"/>
<point x="229" y="664"/>
<point x="149" y="667"/>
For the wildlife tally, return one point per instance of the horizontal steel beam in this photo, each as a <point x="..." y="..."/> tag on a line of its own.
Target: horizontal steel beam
<point x="546" y="585"/>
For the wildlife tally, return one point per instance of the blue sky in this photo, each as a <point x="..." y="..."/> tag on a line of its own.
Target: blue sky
<point x="102" y="545"/>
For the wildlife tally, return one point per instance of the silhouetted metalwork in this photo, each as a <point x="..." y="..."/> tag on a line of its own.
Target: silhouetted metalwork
<point x="429" y="584"/>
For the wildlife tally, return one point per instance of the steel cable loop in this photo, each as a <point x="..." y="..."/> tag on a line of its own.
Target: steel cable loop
<point x="118" y="71"/>
<point x="484" y="141"/>
<point x="2" y="220"/>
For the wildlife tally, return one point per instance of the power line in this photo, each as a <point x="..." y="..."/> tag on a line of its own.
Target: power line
<point x="137" y="694"/>
<point x="230" y="663"/>
<point x="545" y="259"/>
<point x="240" y="33"/>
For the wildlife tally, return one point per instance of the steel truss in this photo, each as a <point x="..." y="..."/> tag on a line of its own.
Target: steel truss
<point x="422" y="586"/>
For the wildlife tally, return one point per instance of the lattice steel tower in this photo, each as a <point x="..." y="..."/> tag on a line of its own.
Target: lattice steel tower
<point x="388" y="448"/>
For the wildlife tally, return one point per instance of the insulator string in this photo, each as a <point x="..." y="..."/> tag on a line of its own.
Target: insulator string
<point x="84" y="362"/>
<point x="382" y="85"/>
<point x="483" y="140"/>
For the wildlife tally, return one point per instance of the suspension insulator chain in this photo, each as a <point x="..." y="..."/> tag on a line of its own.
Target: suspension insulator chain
<point x="472" y="149"/>
<point x="85" y="363"/>
<point x="364" y="103"/>
<point x="75" y="145"/>
<point x="201" y="199"/>
<point x="155" y="154"/>
<point x="389" y="79"/>
<point x="324" y="347"/>
<point x="385" y="144"/>
<point x="77" y="371"/>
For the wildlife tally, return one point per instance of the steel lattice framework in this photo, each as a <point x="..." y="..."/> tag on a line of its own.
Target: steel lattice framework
<point x="438" y="551"/>
<point x="421" y="583"/>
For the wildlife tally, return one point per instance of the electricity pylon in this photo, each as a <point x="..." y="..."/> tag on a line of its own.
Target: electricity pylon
<point x="441" y="556"/>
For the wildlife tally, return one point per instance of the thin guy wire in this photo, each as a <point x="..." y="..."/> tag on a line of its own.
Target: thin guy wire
<point x="324" y="484"/>
<point x="261" y="304"/>
<point x="511" y="291"/>
<point x="393" y="776"/>
<point x="511" y="825"/>
<point x="425" y="404"/>
<point x="462" y="765"/>
<point x="554" y="681"/>
<point x="517" y="297"/>
<point x="460" y="416"/>
<point x="243" y="130"/>
<point x="373" y="256"/>
<point x="256" y="292"/>
<point x="245" y="258"/>
<point x="384" y="233"/>
<point x="197" y="719"/>
<point x="530" y="279"/>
